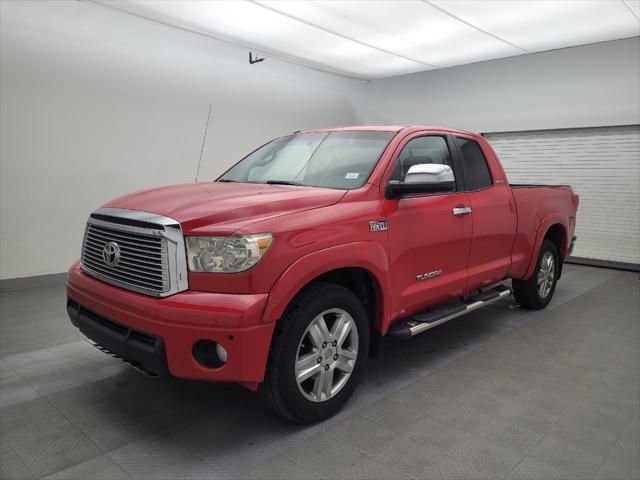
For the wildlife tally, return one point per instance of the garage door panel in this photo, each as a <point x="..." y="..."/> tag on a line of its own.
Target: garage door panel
<point x="602" y="165"/>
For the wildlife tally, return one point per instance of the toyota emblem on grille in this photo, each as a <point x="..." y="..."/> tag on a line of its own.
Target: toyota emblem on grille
<point x="111" y="254"/>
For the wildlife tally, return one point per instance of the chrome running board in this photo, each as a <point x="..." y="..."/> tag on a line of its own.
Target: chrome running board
<point x="422" y="322"/>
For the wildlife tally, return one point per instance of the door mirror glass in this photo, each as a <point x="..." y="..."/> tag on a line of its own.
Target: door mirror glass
<point x="423" y="178"/>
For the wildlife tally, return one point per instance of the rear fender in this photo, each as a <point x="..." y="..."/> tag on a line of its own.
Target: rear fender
<point x="367" y="255"/>
<point x="545" y="224"/>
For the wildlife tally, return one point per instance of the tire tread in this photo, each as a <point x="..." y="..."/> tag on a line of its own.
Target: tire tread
<point x="526" y="291"/>
<point x="269" y="390"/>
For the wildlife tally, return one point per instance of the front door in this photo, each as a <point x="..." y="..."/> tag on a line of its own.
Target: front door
<point x="429" y="235"/>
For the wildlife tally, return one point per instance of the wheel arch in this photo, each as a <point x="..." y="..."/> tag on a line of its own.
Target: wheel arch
<point x="360" y="267"/>
<point x="554" y="228"/>
<point x="557" y="233"/>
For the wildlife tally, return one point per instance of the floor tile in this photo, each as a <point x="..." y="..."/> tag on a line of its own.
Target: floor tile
<point x="448" y="468"/>
<point x="278" y="468"/>
<point x="486" y="456"/>
<point x="99" y="468"/>
<point x="325" y="456"/>
<point x="43" y="438"/>
<point x="160" y="458"/>
<point x="11" y="466"/>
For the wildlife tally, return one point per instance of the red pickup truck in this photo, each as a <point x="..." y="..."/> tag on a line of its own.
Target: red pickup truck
<point x="284" y="274"/>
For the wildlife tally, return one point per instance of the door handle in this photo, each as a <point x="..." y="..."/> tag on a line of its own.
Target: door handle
<point x="461" y="210"/>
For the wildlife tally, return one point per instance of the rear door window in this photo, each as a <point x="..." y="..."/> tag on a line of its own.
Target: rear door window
<point x="476" y="170"/>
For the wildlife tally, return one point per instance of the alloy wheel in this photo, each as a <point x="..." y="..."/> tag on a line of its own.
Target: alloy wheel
<point x="326" y="355"/>
<point x="546" y="275"/>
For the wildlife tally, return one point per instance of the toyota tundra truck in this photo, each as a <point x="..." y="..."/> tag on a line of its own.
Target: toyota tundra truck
<point x="285" y="273"/>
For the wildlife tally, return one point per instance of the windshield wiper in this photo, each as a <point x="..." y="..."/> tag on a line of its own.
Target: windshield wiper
<point x="227" y="180"/>
<point x="283" y="182"/>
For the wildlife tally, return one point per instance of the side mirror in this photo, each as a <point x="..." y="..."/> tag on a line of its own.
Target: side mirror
<point x="423" y="178"/>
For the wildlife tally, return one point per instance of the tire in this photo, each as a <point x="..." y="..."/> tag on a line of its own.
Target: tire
<point x="536" y="292"/>
<point x="298" y="342"/>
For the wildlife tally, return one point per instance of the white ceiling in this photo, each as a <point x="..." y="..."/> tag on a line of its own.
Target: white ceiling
<point x="382" y="38"/>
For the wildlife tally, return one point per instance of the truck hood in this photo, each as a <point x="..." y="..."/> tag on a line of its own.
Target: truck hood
<point x="222" y="208"/>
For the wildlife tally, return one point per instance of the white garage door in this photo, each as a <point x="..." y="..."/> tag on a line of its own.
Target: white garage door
<point x="603" y="167"/>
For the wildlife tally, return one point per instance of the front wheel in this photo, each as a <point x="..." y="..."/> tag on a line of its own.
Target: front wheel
<point x="536" y="292"/>
<point x="317" y="354"/>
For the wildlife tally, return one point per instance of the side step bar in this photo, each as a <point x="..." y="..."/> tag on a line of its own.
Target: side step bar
<point x="422" y="322"/>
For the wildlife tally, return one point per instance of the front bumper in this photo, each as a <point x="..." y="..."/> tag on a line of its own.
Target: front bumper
<point x="142" y="351"/>
<point x="158" y="334"/>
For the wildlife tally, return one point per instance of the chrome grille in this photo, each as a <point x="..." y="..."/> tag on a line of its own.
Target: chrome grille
<point x="150" y="251"/>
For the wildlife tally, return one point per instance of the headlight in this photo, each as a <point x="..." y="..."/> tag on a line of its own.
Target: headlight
<point x="226" y="254"/>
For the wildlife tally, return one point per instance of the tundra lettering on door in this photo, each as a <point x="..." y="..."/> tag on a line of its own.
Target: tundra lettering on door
<point x="285" y="273"/>
<point x="427" y="276"/>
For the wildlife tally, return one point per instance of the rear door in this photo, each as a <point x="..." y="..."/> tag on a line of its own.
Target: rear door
<point x="492" y="212"/>
<point x="429" y="243"/>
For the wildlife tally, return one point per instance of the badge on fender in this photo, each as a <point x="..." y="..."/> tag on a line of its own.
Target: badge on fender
<point x="378" y="225"/>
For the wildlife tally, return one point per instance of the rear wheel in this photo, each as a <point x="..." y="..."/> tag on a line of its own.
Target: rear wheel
<point x="536" y="292"/>
<point x="317" y="354"/>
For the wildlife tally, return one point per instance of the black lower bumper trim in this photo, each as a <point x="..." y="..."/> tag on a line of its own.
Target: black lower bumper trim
<point x="140" y="350"/>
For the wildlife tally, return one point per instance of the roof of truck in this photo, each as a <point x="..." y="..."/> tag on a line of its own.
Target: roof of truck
<point x="389" y="128"/>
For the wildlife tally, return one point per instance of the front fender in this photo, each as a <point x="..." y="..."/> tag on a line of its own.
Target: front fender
<point x="367" y="255"/>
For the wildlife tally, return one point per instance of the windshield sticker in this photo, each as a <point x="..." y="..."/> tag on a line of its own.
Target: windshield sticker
<point x="352" y="175"/>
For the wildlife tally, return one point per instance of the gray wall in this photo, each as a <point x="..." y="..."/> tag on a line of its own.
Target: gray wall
<point x="97" y="103"/>
<point x="587" y="86"/>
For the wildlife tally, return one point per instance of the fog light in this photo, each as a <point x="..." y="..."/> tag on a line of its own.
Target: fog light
<point x="209" y="354"/>
<point x="222" y="353"/>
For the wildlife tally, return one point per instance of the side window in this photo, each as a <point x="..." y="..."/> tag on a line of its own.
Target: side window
<point x="476" y="171"/>
<point x="421" y="150"/>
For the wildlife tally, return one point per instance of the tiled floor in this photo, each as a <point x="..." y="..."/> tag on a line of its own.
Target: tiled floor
<point x="501" y="393"/>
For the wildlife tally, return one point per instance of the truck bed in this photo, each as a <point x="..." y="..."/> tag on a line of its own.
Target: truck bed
<point x="536" y="185"/>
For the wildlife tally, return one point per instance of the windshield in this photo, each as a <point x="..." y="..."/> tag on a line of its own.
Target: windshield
<point x="342" y="160"/>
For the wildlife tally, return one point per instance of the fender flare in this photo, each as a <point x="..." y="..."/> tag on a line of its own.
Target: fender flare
<point x="545" y="224"/>
<point x="369" y="256"/>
